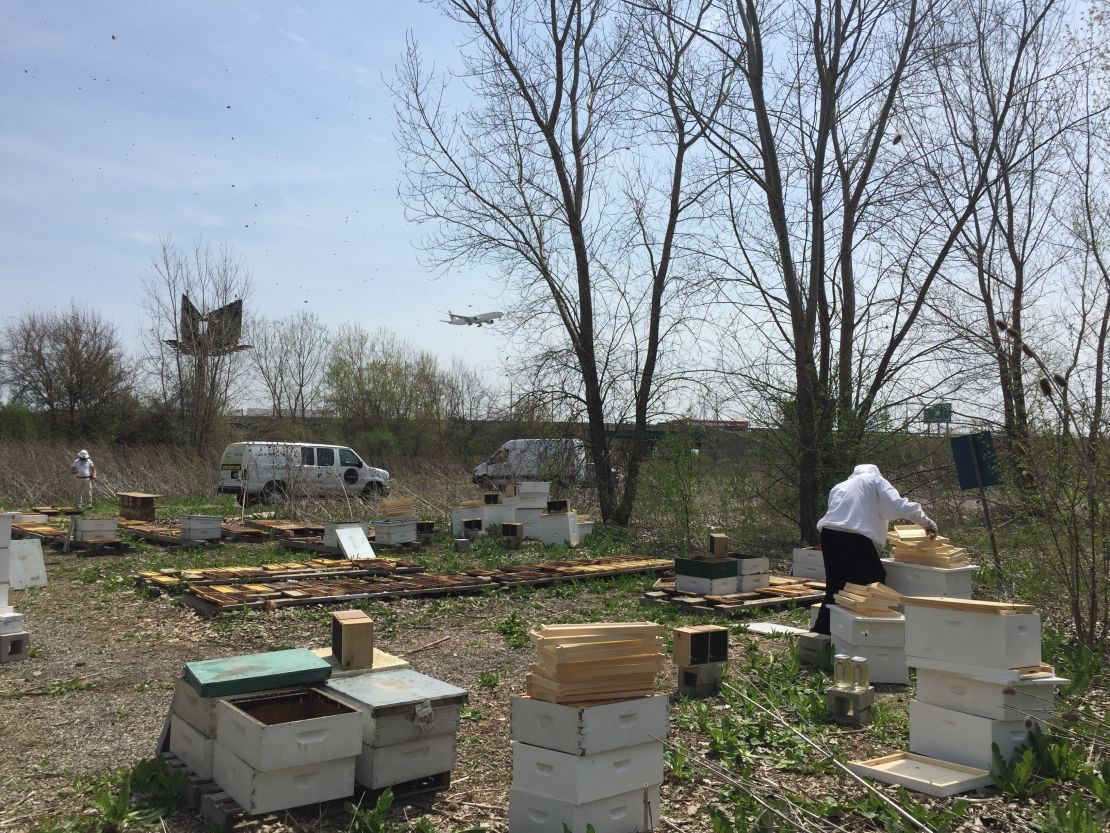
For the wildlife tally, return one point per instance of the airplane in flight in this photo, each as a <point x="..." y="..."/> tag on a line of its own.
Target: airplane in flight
<point x="484" y="318"/>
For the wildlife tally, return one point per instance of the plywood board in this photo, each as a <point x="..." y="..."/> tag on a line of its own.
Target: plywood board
<point x="353" y="543"/>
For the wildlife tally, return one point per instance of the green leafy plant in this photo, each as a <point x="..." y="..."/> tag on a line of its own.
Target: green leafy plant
<point x="1017" y="778"/>
<point x="469" y="714"/>
<point x="514" y="629"/>
<point x="675" y="762"/>
<point x="942" y="820"/>
<point x="67" y="686"/>
<point x="373" y="819"/>
<point x="1073" y="816"/>
<point x="489" y="679"/>
<point x="1099" y="784"/>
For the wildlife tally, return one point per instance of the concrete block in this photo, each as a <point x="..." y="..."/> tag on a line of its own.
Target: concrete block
<point x="192" y="747"/>
<point x="267" y="792"/>
<point x="625" y="813"/>
<point x="996" y="701"/>
<point x="976" y="638"/>
<point x="587" y="730"/>
<point x="854" y="629"/>
<point x="699" y="644"/>
<point x="886" y="663"/>
<point x="923" y="580"/>
<point x="380" y="766"/>
<point x="199" y="712"/>
<point x="963" y="738"/>
<point x="15" y="647"/>
<point x="271" y="732"/>
<point x="11" y="622"/>
<point x="707" y="586"/>
<point x="462" y="545"/>
<point x="581" y="779"/>
<point x="848" y="707"/>
<point x="696" y="676"/>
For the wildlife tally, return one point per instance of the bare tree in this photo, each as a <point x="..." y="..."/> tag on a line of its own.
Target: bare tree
<point x="290" y="355"/>
<point x="574" y="170"/>
<point x="194" y="369"/>
<point x="70" y="366"/>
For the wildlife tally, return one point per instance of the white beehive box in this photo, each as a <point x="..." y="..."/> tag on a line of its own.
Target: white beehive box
<point x="625" y="813"/>
<point x="754" y="581"/>
<point x="585" y="730"/>
<point x="280" y="789"/>
<point x="531" y="517"/>
<point x="707" y="586"/>
<point x="560" y="529"/>
<point x="201" y="527"/>
<point x="192" y="747"/>
<point x="996" y="701"/>
<point x="923" y="580"/>
<point x="6" y="528"/>
<point x="885" y="663"/>
<point x="378" y="767"/>
<point x="964" y="738"/>
<point x="94" y="531"/>
<point x="754" y="565"/>
<point x="808" y="563"/>
<point x="465" y="513"/>
<point x="981" y="636"/>
<point x="9" y="622"/>
<point x="330" y="529"/>
<point x="400" y="706"/>
<point x="854" y="629"/>
<point x="276" y="731"/>
<point x="585" y="528"/>
<point x="394" y="532"/>
<point x="580" y="779"/>
<point x="199" y="712"/>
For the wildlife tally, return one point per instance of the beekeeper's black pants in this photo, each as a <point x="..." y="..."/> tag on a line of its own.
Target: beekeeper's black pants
<point x="848" y="557"/>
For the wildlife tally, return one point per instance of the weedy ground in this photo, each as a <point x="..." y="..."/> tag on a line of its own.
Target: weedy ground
<point x="79" y="722"/>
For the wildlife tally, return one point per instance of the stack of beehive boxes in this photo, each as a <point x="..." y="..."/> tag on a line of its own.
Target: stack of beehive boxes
<point x="808" y="564"/>
<point x="865" y="624"/>
<point x="920" y="566"/>
<point x="588" y="740"/>
<point x="719" y="573"/>
<point x="398" y="522"/>
<point x="200" y="527"/>
<point x="15" y="642"/>
<point x="94" y="530"/>
<point x="559" y="524"/>
<point x="980" y="679"/>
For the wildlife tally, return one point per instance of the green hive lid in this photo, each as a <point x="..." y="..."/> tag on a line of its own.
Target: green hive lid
<point x="256" y="672"/>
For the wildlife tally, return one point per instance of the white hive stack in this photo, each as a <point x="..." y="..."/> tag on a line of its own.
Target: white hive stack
<point x="201" y="527"/>
<point x="808" y="564"/>
<point x="409" y="725"/>
<point x="559" y="525"/>
<point x="865" y="624"/>
<point x="397" y="526"/>
<point x="94" y="531"/>
<point x="980" y="678"/>
<point x="588" y="740"/>
<point x="15" y="642"/>
<point x="919" y="566"/>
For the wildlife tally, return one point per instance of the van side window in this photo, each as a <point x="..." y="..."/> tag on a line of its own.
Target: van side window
<point x="348" y="458"/>
<point x="325" y="456"/>
<point x="307" y="457"/>
<point x="500" y="456"/>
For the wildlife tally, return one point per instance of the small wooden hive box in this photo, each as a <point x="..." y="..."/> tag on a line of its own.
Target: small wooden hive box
<point x="491" y="498"/>
<point x="558" y="507"/>
<point x="137" y="506"/>
<point x="352" y="639"/>
<point x="718" y="545"/>
<point x="700" y="645"/>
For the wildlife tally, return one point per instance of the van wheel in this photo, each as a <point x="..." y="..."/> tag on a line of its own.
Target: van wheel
<point x="274" y="493"/>
<point x="372" y="490"/>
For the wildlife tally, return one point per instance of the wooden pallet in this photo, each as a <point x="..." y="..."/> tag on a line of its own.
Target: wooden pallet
<point x="559" y="572"/>
<point x="316" y="544"/>
<point x="167" y="535"/>
<point x="781" y="593"/>
<point x="285" y="529"/>
<point x="86" y="549"/>
<point x="173" y="580"/>
<point x="57" y="510"/>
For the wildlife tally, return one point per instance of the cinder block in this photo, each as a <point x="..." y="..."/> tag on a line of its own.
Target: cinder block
<point x="199" y="712"/>
<point x="886" y="663"/>
<point x="462" y="545"/>
<point x="996" y="701"/>
<point x="700" y="680"/>
<point x="271" y="732"/>
<point x="849" y="707"/>
<point x="707" y="586"/>
<point x="15" y="647"/>
<point x="987" y="639"/>
<point x="192" y="747"/>
<point x="267" y="792"/>
<point x="854" y="629"/>
<point x="381" y="766"/>
<point x="814" y="649"/>
<point x="581" y="779"/>
<point x="352" y="639"/>
<point x="586" y="730"/>
<point x="964" y="738"/>
<point x="699" y="644"/>
<point x="923" y="580"/>
<point x="625" y="813"/>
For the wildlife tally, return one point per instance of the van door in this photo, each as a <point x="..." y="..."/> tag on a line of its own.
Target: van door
<point x="327" y="474"/>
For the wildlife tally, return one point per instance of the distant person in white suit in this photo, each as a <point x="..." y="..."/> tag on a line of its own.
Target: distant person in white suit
<point x="84" y="471"/>
<point x="853" y="532"/>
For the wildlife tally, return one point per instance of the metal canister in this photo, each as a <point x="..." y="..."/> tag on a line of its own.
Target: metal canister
<point x="859" y="673"/>
<point x="842" y="675"/>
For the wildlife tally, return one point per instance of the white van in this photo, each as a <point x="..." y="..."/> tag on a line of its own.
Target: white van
<point x="272" y="471"/>
<point x="563" y="461"/>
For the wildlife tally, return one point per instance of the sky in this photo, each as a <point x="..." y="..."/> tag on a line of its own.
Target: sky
<point x="265" y="126"/>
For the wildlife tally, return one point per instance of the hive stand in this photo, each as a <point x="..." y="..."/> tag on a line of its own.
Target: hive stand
<point x="850" y="707"/>
<point x="815" y="649"/>
<point x="512" y="534"/>
<point x="699" y="681"/>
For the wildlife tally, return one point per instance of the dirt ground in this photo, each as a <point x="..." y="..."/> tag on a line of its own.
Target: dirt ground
<point x="94" y="695"/>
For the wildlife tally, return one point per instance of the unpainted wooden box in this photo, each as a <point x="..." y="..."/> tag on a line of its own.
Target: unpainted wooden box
<point x="270" y="732"/>
<point x="581" y="779"/>
<point x="987" y="639"/>
<point x="625" y="813"/>
<point x="352" y="639"/>
<point x="586" y="730"/>
<point x="192" y="747"/>
<point x="267" y="792"/>
<point x="699" y="644"/>
<point x="964" y="738"/>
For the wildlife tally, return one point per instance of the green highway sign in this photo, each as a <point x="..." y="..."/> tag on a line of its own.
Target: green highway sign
<point x="941" y="412"/>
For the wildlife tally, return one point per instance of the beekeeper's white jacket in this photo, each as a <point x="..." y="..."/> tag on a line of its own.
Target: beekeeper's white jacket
<point x="866" y="503"/>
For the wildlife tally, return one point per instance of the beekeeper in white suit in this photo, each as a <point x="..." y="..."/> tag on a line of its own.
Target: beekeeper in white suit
<point x="84" y="470"/>
<point x="853" y="532"/>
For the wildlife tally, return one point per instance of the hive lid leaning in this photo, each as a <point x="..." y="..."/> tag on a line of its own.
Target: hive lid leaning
<point x="255" y="672"/>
